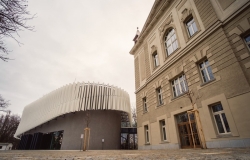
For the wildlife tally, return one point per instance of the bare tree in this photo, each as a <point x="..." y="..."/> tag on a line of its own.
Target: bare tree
<point x="13" y="18"/>
<point x="192" y="97"/>
<point x="3" y="103"/>
<point x="8" y="127"/>
<point x="134" y="117"/>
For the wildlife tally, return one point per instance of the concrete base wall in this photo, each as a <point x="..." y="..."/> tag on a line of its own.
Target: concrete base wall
<point x="229" y="143"/>
<point x="161" y="146"/>
<point x="103" y="125"/>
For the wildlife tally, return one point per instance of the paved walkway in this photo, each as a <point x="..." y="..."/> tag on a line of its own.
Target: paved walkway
<point x="181" y="154"/>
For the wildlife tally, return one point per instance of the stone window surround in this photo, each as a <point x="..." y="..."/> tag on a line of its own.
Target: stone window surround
<point x="154" y="51"/>
<point x="163" y="29"/>
<point x="216" y="113"/>
<point x="146" y="123"/>
<point x="167" y="127"/>
<point x="144" y="95"/>
<point x="241" y="30"/>
<point x="187" y="14"/>
<point x="156" y="85"/>
<point x="171" y="86"/>
<point x="210" y="123"/>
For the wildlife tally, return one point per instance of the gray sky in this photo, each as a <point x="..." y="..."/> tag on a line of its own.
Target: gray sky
<point x="84" y="40"/>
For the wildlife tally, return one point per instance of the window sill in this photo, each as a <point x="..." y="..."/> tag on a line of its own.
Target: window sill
<point x="228" y="135"/>
<point x="159" y="106"/>
<point x="168" y="56"/>
<point x="191" y="37"/>
<point x="178" y="97"/>
<point x="216" y="79"/>
<point x="162" y="142"/>
<point x="145" y="112"/>
<point x="147" y="144"/>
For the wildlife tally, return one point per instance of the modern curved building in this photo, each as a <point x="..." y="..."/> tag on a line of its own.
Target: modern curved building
<point x="57" y="120"/>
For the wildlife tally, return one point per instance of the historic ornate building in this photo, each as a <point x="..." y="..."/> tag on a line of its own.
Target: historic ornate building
<point x="192" y="75"/>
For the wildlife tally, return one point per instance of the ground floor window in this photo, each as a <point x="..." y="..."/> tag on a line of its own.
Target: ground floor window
<point x="163" y="130"/>
<point x="146" y="134"/>
<point x="220" y="119"/>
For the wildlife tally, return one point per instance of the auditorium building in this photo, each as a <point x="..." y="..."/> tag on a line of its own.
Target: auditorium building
<point x="57" y="120"/>
<point x="192" y="75"/>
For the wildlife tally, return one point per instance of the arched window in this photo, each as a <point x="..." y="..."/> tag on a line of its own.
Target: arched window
<point x="171" y="42"/>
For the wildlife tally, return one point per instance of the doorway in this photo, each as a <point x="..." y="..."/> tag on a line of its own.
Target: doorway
<point x="187" y="128"/>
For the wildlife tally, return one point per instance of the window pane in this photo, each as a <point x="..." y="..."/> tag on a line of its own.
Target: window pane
<point x="204" y="75"/>
<point x="209" y="70"/>
<point x="190" y="30"/>
<point x="247" y="38"/>
<point x="164" y="134"/>
<point x="147" y="136"/>
<point x="225" y="122"/>
<point x="178" y="89"/>
<point x="219" y="123"/>
<point x="174" y="91"/>
<point x="195" y="27"/>
<point x="217" y="108"/>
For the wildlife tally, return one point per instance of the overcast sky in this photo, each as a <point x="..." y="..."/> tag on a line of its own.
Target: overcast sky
<point x="87" y="40"/>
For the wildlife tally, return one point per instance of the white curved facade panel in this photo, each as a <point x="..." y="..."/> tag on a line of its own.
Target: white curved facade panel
<point x="73" y="98"/>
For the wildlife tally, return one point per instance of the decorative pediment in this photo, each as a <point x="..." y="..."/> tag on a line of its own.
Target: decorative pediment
<point x="153" y="49"/>
<point x="185" y="13"/>
<point x="143" y="94"/>
<point x="158" y="84"/>
<point x="165" y="24"/>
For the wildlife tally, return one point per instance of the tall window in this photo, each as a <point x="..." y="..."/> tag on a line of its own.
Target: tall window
<point x="206" y="71"/>
<point x="156" y="60"/>
<point x="171" y="42"/>
<point x="220" y="119"/>
<point x="159" y="96"/>
<point x="163" y="130"/>
<point x="179" y="85"/>
<point x="146" y="134"/>
<point x="247" y="40"/>
<point x="191" y="27"/>
<point x="144" y="101"/>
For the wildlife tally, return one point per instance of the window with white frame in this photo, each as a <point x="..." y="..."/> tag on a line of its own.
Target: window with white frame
<point x="179" y="86"/>
<point x="206" y="71"/>
<point x="220" y="119"/>
<point x="155" y="60"/>
<point x="191" y="26"/>
<point x="171" y="42"/>
<point x="247" y="40"/>
<point x="146" y="134"/>
<point x="144" y="101"/>
<point x="163" y="130"/>
<point x="159" y="96"/>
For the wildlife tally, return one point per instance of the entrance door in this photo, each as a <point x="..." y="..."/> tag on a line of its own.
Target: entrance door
<point x="187" y="131"/>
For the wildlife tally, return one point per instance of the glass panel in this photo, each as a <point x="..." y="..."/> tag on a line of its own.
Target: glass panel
<point x="174" y="46"/>
<point x="247" y="38"/>
<point x="174" y="91"/>
<point x="164" y="134"/>
<point x="225" y="122"/>
<point x="147" y="136"/>
<point x="183" y="89"/>
<point x="190" y="30"/>
<point x="170" y="50"/>
<point x="209" y="70"/>
<point x="178" y="89"/>
<point x="219" y="123"/>
<point x="182" y="118"/>
<point x="195" y="27"/>
<point x="206" y="62"/>
<point x="204" y="75"/>
<point x="217" y="108"/>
